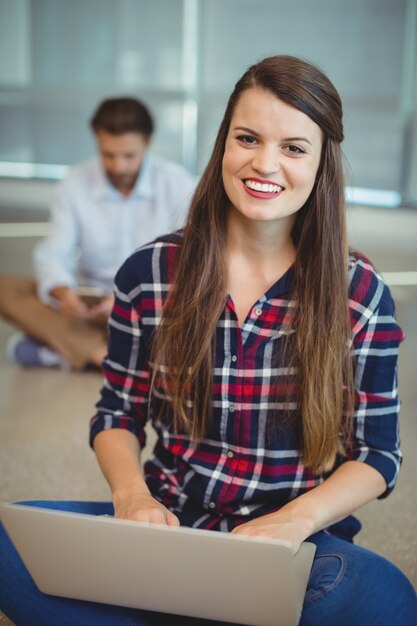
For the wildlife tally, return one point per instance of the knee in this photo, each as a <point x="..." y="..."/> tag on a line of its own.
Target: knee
<point x="12" y="290"/>
<point x="5" y="291"/>
<point x="397" y="595"/>
<point x="357" y="586"/>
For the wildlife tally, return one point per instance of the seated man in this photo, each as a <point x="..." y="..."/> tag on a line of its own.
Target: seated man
<point x="103" y="210"/>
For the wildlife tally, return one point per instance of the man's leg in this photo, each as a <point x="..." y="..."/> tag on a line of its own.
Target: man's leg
<point x="79" y="342"/>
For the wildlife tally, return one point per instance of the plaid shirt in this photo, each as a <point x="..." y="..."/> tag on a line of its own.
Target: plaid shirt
<point x="243" y="468"/>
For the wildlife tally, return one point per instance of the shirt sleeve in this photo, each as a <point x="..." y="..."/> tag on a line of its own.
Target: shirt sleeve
<point x="125" y="393"/>
<point x="183" y="196"/>
<point x="376" y="341"/>
<point x="55" y="257"/>
<point x="176" y="189"/>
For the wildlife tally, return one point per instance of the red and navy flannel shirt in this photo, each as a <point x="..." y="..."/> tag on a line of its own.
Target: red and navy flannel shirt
<point x="244" y="468"/>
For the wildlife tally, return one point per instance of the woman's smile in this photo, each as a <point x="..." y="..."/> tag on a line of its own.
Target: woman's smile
<point x="263" y="189"/>
<point x="271" y="158"/>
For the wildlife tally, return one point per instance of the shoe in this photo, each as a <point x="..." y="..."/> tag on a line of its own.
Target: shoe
<point x="30" y="353"/>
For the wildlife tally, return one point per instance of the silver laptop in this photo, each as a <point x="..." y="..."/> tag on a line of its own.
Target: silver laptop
<point x="184" y="571"/>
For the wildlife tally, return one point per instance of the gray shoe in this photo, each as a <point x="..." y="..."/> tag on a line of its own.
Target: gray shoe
<point x="25" y="351"/>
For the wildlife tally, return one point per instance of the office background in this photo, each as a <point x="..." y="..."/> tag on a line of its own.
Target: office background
<point x="59" y="58"/>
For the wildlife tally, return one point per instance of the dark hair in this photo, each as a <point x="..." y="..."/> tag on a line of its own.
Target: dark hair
<point x="319" y="354"/>
<point x="123" y="115"/>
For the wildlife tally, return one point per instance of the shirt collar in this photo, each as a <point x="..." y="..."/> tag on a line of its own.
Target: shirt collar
<point x="282" y="286"/>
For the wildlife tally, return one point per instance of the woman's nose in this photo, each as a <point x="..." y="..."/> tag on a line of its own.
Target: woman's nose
<point x="266" y="161"/>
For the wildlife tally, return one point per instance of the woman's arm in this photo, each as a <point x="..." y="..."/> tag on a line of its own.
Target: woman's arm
<point x="374" y="450"/>
<point x="352" y="485"/>
<point x="118" y="454"/>
<point x="117" y="431"/>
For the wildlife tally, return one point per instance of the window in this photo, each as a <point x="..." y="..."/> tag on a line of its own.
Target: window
<point x="182" y="57"/>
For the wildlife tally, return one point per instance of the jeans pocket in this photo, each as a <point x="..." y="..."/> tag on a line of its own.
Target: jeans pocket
<point x="326" y="573"/>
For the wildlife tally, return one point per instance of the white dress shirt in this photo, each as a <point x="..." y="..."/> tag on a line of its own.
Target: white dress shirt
<point x="94" y="228"/>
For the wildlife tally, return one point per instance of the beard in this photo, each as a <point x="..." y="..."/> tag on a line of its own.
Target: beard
<point x="122" y="182"/>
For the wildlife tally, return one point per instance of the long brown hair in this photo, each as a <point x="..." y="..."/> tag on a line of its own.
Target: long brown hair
<point x="193" y="307"/>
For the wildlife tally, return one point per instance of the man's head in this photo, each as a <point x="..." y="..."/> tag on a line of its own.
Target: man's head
<point x="123" y="128"/>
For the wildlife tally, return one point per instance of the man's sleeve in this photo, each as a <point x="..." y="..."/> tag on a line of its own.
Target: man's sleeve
<point x="182" y="188"/>
<point x="55" y="258"/>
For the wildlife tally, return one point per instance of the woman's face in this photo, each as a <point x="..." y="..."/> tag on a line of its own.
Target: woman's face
<point x="271" y="157"/>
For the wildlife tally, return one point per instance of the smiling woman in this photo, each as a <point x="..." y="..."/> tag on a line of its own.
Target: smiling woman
<point x="272" y="153"/>
<point x="264" y="353"/>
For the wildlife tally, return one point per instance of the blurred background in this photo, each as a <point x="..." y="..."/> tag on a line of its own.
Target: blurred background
<point x="58" y="59"/>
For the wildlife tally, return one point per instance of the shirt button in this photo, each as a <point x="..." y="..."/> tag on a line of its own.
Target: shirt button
<point x="232" y="408"/>
<point x="211" y="505"/>
<point x="258" y="311"/>
<point x="230" y="454"/>
<point x="234" y="358"/>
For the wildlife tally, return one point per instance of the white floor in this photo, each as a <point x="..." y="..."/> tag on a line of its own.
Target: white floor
<point x="44" y="415"/>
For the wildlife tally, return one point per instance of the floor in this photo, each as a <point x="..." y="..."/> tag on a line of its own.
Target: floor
<point x="44" y="424"/>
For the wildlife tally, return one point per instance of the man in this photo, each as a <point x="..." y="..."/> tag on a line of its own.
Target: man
<point x="102" y="211"/>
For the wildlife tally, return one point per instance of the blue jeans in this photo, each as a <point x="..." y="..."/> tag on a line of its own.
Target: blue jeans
<point x="348" y="586"/>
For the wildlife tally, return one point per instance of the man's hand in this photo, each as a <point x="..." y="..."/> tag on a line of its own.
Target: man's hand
<point x="103" y="308"/>
<point x="69" y="303"/>
<point x="144" y="508"/>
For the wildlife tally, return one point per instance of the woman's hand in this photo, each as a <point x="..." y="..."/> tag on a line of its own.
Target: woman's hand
<point x="351" y="485"/>
<point x="143" y="508"/>
<point x="277" y="525"/>
<point x="118" y="454"/>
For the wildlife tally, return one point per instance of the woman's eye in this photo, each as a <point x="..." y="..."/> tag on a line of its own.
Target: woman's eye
<point x="248" y="139"/>
<point x="295" y="149"/>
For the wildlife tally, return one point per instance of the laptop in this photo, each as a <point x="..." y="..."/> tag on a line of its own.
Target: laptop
<point x="185" y="571"/>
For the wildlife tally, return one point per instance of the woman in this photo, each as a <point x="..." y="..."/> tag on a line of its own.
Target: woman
<point x="271" y="381"/>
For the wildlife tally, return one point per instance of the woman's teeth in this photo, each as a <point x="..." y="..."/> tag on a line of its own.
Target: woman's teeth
<point x="264" y="187"/>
